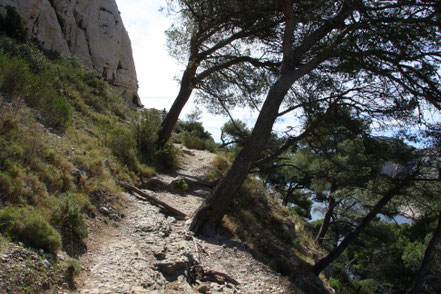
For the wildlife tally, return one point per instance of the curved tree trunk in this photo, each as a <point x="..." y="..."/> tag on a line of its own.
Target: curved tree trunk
<point x="289" y="193"/>
<point x="172" y="116"/>
<point x="327" y="220"/>
<point x="215" y="205"/>
<point x="428" y="256"/>
<point x="337" y="251"/>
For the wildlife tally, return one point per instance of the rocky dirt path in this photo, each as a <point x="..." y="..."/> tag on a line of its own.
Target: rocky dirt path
<point x="151" y="252"/>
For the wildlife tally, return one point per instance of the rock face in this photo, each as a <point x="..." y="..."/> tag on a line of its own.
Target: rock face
<point x="91" y="30"/>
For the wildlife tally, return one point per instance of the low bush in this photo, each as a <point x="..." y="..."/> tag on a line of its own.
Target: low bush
<point x="179" y="186"/>
<point x="57" y="112"/>
<point x="333" y="283"/>
<point x="124" y="146"/>
<point x="192" y="142"/>
<point x="145" y="128"/>
<point x="28" y="226"/>
<point x="36" y="89"/>
<point x="12" y="25"/>
<point x="193" y="135"/>
<point x="167" y="158"/>
<point x="219" y="166"/>
<point x="68" y="217"/>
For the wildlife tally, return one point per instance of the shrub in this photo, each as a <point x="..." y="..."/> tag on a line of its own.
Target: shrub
<point x="15" y="74"/>
<point x="193" y="135"/>
<point x="335" y="284"/>
<point x="179" y="186"/>
<point x="37" y="90"/>
<point x="194" y="128"/>
<point x="28" y="226"/>
<point x="145" y="128"/>
<point x="167" y="158"/>
<point x="219" y="166"/>
<point x="123" y="145"/>
<point x="67" y="215"/>
<point x="73" y="269"/>
<point x="57" y="112"/>
<point x="192" y="142"/>
<point x="12" y="25"/>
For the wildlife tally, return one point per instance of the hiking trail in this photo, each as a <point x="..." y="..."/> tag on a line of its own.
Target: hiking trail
<point x="149" y="251"/>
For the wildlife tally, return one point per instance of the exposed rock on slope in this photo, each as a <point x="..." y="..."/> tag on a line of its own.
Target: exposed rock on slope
<point x="150" y="252"/>
<point x="90" y="30"/>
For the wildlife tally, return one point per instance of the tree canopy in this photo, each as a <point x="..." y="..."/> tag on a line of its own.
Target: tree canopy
<point x="215" y="41"/>
<point x="378" y="59"/>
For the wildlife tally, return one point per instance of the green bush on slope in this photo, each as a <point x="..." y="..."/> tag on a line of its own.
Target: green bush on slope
<point x="65" y="136"/>
<point x="36" y="89"/>
<point x="29" y="226"/>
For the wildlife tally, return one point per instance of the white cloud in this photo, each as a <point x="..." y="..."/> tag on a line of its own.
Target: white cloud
<point x="155" y="69"/>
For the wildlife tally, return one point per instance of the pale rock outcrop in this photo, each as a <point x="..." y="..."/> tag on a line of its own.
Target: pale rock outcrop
<point x="91" y="30"/>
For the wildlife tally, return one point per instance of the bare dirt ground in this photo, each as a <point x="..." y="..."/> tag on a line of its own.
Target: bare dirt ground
<point x="149" y="251"/>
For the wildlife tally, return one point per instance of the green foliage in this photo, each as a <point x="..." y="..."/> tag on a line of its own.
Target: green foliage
<point x="335" y="284"/>
<point x="64" y="138"/>
<point x="145" y="127"/>
<point x="37" y="90"/>
<point x="29" y="166"/>
<point x="192" y="142"/>
<point x="123" y="145"/>
<point x="203" y="30"/>
<point x="180" y="186"/>
<point x="387" y="256"/>
<point x="167" y="158"/>
<point x="67" y="215"/>
<point x="12" y="25"/>
<point x="193" y="135"/>
<point x="28" y="226"/>
<point x="235" y="132"/>
<point x="73" y="269"/>
<point x="219" y="166"/>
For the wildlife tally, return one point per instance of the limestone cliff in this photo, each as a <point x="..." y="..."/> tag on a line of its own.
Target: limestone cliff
<point x="91" y="30"/>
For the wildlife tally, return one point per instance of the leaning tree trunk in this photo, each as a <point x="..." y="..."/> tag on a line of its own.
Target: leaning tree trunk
<point x="337" y="251"/>
<point x="327" y="220"/>
<point x="172" y="116"/>
<point x="289" y="193"/>
<point x="215" y="205"/>
<point x="428" y="256"/>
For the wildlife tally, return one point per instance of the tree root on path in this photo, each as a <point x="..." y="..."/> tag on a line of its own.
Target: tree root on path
<point x="198" y="273"/>
<point x="179" y="214"/>
<point x="157" y="184"/>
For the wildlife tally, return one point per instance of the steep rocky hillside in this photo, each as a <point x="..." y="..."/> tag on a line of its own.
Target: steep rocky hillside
<point x="65" y="136"/>
<point x="68" y="142"/>
<point x="152" y="251"/>
<point x="92" y="31"/>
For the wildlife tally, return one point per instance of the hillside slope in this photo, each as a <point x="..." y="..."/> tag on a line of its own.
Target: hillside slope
<point x="149" y="252"/>
<point x="66" y="140"/>
<point x="92" y="31"/>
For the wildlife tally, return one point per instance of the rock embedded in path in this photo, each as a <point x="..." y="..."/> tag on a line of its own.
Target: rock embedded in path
<point x="172" y="267"/>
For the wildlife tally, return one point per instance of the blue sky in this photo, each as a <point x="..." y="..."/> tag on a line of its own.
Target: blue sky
<point x="156" y="70"/>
